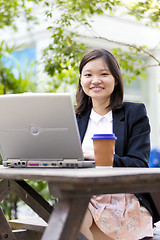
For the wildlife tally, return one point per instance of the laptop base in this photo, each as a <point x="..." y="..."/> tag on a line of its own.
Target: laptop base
<point x="69" y="163"/>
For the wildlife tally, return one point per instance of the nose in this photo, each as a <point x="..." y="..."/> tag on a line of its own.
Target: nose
<point x="95" y="80"/>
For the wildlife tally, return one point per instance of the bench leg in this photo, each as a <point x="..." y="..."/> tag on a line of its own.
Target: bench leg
<point x="5" y="189"/>
<point x="66" y="219"/>
<point x="5" y="230"/>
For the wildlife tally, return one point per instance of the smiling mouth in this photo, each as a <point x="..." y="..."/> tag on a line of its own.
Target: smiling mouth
<point x="96" y="88"/>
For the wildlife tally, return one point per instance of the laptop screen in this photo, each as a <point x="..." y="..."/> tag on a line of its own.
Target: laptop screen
<point x="39" y="126"/>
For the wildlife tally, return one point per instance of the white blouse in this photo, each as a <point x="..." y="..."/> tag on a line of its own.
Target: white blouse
<point x="97" y="124"/>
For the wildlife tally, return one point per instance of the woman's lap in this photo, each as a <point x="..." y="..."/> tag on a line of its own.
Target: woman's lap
<point x="119" y="216"/>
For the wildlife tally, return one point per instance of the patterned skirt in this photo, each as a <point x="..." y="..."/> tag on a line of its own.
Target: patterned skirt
<point x="121" y="217"/>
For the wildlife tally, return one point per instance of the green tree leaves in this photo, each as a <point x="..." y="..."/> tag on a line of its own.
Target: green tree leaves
<point x="10" y="82"/>
<point x="11" y="10"/>
<point x="148" y="10"/>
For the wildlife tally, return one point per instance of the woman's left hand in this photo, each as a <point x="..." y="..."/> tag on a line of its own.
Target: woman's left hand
<point x="88" y="154"/>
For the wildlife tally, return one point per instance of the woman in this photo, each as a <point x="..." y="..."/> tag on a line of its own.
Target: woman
<point x="100" y="109"/>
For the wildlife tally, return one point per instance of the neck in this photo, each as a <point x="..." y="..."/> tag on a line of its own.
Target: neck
<point x="100" y="108"/>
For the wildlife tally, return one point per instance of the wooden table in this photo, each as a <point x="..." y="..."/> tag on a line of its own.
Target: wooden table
<point x="73" y="188"/>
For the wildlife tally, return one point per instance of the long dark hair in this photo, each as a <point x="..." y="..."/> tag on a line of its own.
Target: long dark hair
<point x="83" y="101"/>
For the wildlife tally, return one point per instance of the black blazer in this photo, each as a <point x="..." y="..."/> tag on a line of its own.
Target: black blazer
<point x="132" y="149"/>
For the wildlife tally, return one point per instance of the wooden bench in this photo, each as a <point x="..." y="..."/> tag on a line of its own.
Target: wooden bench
<point x="31" y="228"/>
<point x="34" y="227"/>
<point x="33" y="224"/>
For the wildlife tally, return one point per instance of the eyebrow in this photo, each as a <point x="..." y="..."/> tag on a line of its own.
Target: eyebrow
<point x="101" y="70"/>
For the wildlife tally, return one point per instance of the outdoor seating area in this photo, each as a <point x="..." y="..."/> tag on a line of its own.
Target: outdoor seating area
<point x="73" y="187"/>
<point x="79" y="120"/>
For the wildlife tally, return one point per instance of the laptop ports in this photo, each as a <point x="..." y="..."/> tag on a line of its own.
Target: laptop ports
<point x="45" y="164"/>
<point x="33" y="164"/>
<point x="54" y="164"/>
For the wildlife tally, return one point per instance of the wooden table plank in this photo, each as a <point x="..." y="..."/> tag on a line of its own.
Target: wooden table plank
<point x="76" y="176"/>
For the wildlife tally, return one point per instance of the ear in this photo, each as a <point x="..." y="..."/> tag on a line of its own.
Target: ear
<point x="116" y="83"/>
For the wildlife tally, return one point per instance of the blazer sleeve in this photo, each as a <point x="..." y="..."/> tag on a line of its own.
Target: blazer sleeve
<point x="136" y="140"/>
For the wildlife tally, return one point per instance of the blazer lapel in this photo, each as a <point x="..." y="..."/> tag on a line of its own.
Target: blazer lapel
<point x="119" y="131"/>
<point x="83" y="123"/>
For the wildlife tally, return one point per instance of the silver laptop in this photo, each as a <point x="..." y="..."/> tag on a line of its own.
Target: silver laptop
<point x="40" y="130"/>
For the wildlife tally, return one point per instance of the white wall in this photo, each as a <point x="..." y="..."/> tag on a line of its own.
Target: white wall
<point x="153" y="105"/>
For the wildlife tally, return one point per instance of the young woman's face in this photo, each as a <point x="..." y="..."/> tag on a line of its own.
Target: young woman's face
<point x="97" y="81"/>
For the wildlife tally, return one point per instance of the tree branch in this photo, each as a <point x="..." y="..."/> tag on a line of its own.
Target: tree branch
<point x="95" y="35"/>
<point x="140" y="66"/>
